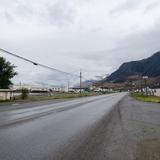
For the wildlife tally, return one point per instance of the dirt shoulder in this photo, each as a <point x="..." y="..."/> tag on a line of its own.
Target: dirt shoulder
<point x="131" y="133"/>
<point x="137" y="131"/>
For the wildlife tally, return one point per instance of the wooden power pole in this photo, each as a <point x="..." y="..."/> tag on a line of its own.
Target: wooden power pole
<point x="80" y="82"/>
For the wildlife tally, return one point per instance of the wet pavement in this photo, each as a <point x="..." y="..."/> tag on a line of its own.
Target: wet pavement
<point x="132" y="132"/>
<point x="110" y="127"/>
<point x="41" y="132"/>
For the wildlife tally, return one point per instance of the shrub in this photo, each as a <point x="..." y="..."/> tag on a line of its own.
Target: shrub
<point x="24" y="93"/>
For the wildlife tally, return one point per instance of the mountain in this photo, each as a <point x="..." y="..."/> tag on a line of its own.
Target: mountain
<point x="146" y="67"/>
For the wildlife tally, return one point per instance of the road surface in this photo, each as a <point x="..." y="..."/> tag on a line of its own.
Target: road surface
<point x="112" y="127"/>
<point x="40" y="132"/>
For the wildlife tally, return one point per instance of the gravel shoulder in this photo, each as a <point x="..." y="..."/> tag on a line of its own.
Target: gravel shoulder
<point x="130" y="132"/>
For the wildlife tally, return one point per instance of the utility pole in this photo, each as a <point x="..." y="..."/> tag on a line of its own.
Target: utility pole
<point x="68" y="85"/>
<point x="141" y="85"/>
<point x="145" y="81"/>
<point x="20" y="85"/>
<point x="80" y="82"/>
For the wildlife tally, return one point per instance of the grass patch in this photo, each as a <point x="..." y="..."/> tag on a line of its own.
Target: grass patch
<point x="52" y="97"/>
<point x="60" y="96"/>
<point x="5" y="101"/>
<point x="144" y="98"/>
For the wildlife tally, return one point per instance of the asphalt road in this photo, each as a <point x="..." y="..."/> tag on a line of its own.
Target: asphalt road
<point x="42" y="131"/>
<point x="109" y="127"/>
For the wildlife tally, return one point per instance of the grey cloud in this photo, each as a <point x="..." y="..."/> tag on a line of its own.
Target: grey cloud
<point x="8" y="17"/>
<point x="55" y="78"/>
<point x="58" y="13"/>
<point x="24" y="9"/>
<point x="143" y="42"/>
<point x="7" y="3"/>
<point x="12" y="11"/>
<point x="152" y="6"/>
<point x="47" y="77"/>
<point x="88" y="49"/>
<point x="61" y="13"/>
<point x="126" y="6"/>
<point x="133" y="47"/>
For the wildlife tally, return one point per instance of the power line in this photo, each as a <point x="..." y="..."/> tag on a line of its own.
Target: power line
<point x="37" y="64"/>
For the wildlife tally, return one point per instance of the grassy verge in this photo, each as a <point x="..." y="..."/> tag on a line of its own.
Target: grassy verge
<point x="60" y="96"/>
<point x="144" y="98"/>
<point x="52" y="97"/>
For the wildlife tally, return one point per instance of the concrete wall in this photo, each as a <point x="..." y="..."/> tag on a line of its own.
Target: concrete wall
<point x="157" y="93"/>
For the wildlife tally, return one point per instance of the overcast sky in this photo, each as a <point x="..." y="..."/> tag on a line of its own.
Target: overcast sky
<point x="96" y="36"/>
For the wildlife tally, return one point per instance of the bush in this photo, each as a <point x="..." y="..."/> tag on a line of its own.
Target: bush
<point x="24" y="93"/>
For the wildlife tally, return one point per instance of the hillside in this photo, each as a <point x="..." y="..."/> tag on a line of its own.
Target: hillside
<point x="147" y="67"/>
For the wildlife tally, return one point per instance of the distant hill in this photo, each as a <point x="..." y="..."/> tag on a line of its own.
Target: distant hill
<point x="86" y="84"/>
<point x="147" y="67"/>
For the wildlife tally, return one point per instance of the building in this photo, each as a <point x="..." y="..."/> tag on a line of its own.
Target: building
<point x="5" y="94"/>
<point x="34" y="89"/>
<point x="157" y="92"/>
<point x="30" y="87"/>
<point x="76" y="89"/>
<point x="59" y="89"/>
